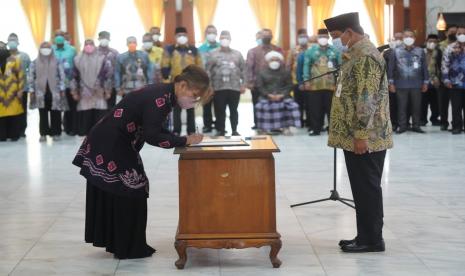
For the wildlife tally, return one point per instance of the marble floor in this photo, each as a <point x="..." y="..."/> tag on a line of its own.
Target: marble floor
<point x="42" y="200"/>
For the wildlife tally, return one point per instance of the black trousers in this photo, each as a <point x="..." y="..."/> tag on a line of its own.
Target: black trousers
<point x="393" y="110"/>
<point x="319" y="104"/>
<point x="112" y="100"/>
<point x="430" y="99"/>
<point x="444" y="102"/>
<point x="255" y="97"/>
<point x="208" y="115"/>
<point x="49" y="120"/>
<point x="365" y="172"/>
<point x="87" y="119"/>
<point x="457" y="98"/>
<point x="177" y="124"/>
<point x="70" y="118"/>
<point x="299" y="98"/>
<point x="10" y="128"/>
<point x="405" y="98"/>
<point x="223" y="99"/>
<point x="24" y="115"/>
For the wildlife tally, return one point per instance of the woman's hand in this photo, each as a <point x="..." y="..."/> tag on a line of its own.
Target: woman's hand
<point x="194" y="139"/>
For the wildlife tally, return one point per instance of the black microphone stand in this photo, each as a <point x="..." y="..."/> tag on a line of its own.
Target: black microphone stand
<point x="334" y="193"/>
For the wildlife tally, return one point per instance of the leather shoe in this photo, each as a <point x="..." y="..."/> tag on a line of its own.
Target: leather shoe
<point x="346" y="242"/>
<point x="401" y="130"/>
<point x="206" y="129"/>
<point x="444" y="128"/>
<point x="314" y="133"/>
<point x="355" y="247"/>
<point x="456" y="131"/>
<point x="418" y="130"/>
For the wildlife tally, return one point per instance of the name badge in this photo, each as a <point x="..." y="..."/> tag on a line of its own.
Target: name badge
<point x="339" y="90"/>
<point x="416" y="65"/>
<point x="330" y="65"/>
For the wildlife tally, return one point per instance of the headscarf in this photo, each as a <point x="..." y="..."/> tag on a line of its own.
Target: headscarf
<point x="46" y="70"/>
<point x="89" y="65"/>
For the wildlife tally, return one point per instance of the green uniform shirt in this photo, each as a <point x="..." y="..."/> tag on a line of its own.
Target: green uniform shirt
<point x="360" y="107"/>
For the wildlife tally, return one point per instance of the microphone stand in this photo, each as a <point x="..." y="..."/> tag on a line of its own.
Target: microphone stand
<point x="334" y="196"/>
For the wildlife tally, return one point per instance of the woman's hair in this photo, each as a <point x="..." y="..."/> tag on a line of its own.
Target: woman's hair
<point x="196" y="78"/>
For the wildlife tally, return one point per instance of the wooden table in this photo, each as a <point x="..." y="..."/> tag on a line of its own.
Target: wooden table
<point x="227" y="198"/>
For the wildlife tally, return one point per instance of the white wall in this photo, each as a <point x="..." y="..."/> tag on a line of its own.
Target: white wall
<point x="433" y="7"/>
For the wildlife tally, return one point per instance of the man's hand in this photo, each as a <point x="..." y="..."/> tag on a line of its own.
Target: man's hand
<point x="62" y="94"/>
<point x="449" y="85"/>
<point x="242" y="90"/>
<point x="360" y="146"/>
<point x="20" y="94"/>
<point x="307" y="86"/>
<point x="392" y="88"/>
<point x="75" y="95"/>
<point x="424" y="88"/>
<point x="121" y="93"/>
<point x="194" y="139"/>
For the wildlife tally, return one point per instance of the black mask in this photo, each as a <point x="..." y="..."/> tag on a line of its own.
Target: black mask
<point x="266" y="40"/>
<point x="451" y="37"/>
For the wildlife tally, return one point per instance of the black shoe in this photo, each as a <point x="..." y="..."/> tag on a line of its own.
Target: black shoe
<point x="400" y="130"/>
<point x="220" y="133"/>
<point x="313" y="133"/>
<point x="423" y="123"/>
<point x="436" y="123"/>
<point x="346" y="242"/>
<point x="456" y="131"/>
<point x="444" y="128"/>
<point x="418" y="130"/>
<point x="235" y="133"/>
<point x="206" y="129"/>
<point x="254" y="127"/>
<point x="355" y="247"/>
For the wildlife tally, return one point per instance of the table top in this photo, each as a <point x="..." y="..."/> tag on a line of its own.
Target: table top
<point x="256" y="144"/>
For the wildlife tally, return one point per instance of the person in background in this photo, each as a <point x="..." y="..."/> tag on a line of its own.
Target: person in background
<point x="156" y="36"/>
<point x="155" y="54"/>
<point x="175" y="58"/>
<point x="256" y="63"/>
<point x="276" y="110"/>
<point x="453" y="75"/>
<point x="318" y="60"/>
<point x="47" y="91"/>
<point x="109" y="59"/>
<point x="205" y="49"/>
<point x="88" y="87"/>
<point x="451" y="37"/>
<point x="258" y="37"/>
<point x="13" y="43"/>
<point x="133" y="69"/>
<point x="226" y="68"/>
<point x="431" y="97"/>
<point x="11" y="92"/>
<point x="408" y="78"/>
<point x="394" y="42"/>
<point x="65" y="54"/>
<point x="291" y="65"/>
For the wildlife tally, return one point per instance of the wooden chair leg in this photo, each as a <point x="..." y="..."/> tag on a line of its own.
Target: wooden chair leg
<point x="181" y="247"/>
<point x="275" y="247"/>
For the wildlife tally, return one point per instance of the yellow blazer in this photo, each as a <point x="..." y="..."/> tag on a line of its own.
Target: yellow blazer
<point x="11" y="83"/>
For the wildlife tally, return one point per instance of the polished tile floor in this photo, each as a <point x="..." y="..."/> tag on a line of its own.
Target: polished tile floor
<point x="42" y="201"/>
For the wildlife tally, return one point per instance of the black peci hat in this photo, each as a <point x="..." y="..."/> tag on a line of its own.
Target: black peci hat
<point x="343" y="22"/>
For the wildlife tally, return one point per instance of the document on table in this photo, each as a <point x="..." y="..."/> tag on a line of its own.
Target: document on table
<point x="221" y="142"/>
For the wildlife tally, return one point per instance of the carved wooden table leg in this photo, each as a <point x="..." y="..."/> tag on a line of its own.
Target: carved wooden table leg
<point x="275" y="247"/>
<point x="181" y="247"/>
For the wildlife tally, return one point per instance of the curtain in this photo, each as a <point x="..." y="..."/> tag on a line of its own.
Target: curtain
<point x="151" y="12"/>
<point x="90" y="11"/>
<point x="206" y="11"/>
<point x="267" y="12"/>
<point x="37" y="12"/>
<point x="321" y="10"/>
<point x="375" y="9"/>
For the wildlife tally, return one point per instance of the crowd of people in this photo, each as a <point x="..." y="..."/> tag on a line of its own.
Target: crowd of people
<point x="74" y="90"/>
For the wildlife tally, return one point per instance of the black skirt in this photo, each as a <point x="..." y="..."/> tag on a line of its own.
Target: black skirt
<point x="117" y="223"/>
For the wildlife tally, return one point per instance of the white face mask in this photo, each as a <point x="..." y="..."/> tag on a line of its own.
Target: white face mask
<point x="211" y="37"/>
<point x="156" y="37"/>
<point x="182" y="39"/>
<point x="323" y="41"/>
<point x="147" y="45"/>
<point x="104" y="42"/>
<point x="274" y="65"/>
<point x="408" y="41"/>
<point x="461" y="38"/>
<point x="302" y="40"/>
<point x="431" y="45"/>
<point x="337" y="42"/>
<point x="225" y="42"/>
<point x="45" y="51"/>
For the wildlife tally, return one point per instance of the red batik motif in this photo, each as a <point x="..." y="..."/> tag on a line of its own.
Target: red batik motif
<point x="164" y="144"/>
<point x="118" y="113"/>
<point x="111" y="166"/>
<point x="160" y="102"/>
<point x="131" y="127"/>
<point x="99" y="159"/>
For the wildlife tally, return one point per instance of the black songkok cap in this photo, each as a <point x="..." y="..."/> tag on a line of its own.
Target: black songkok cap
<point x="323" y="31"/>
<point x="433" y="36"/>
<point x="343" y="22"/>
<point x="180" y="30"/>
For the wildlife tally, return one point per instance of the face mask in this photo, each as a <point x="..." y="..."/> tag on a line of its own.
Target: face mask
<point x="431" y="45"/>
<point x="337" y="42"/>
<point x="156" y="37"/>
<point x="12" y="45"/>
<point x="132" y="47"/>
<point x="104" y="42"/>
<point x="89" y="49"/>
<point x="408" y="41"/>
<point x="60" y="40"/>
<point x="186" y="102"/>
<point x="461" y="38"/>
<point x="182" y="40"/>
<point x="323" y="41"/>
<point x="274" y="65"/>
<point x="259" y="41"/>
<point x="211" y="37"/>
<point x="266" y="40"/>
<point x="225" y="42"/>
<point x="45" y="51"/>
<point x="302" y="40"/>
<point x="147" y="45"/>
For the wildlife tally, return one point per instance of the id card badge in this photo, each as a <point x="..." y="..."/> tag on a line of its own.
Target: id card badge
<point x="339" y="90"/>
<point x="416" y="65"/>
<point x="330" y="65"/>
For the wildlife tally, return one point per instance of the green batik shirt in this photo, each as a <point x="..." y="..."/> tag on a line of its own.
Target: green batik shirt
<point x="360" y="107"/>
